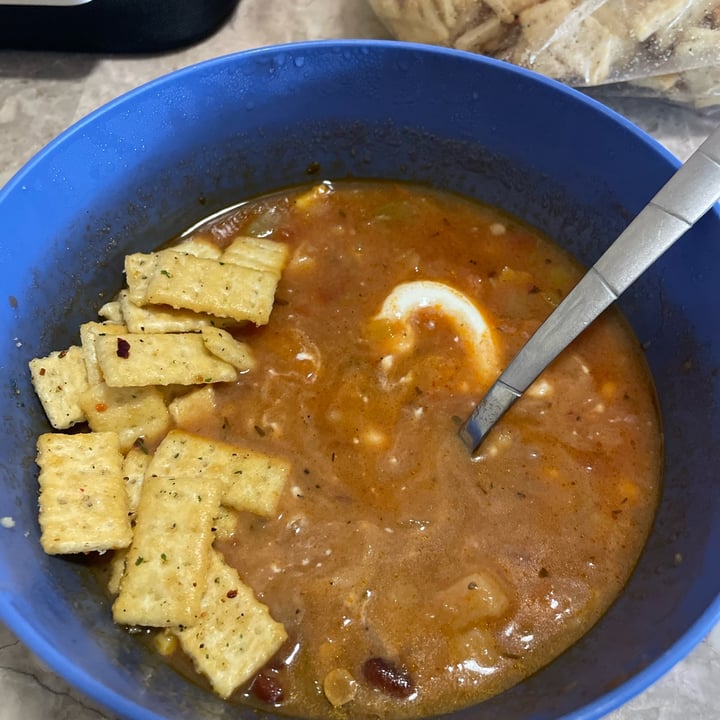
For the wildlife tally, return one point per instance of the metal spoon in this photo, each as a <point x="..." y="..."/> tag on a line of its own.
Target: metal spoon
<point x="680" y="203"/>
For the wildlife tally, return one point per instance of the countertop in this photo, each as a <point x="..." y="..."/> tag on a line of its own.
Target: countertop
<point x="41" y="94"/>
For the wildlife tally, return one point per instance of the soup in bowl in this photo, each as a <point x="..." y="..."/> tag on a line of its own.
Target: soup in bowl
<point x="143" y="170"/>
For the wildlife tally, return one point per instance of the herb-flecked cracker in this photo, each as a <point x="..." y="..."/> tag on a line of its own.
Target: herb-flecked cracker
<point x="89" y="332"/>
<point x="134" y="466"/>
<point x="169" y="277"/>
<point x="251" y="481"/>
<point x="258" y="253"/>
<point x="166" y="566"/>
<point x="256" y="485"/>
<point x="164" y="319"/>
<point x="225" y="523"/>
<point x="235" y="634"/>
<point x="83" y="502"/>
<point x="131" y="412"/>
<point x="117" y="570"/>
<point x="198" y="402"/>
<point x="223" y="345"/>
<point x="200" y="247"/>
<point x="139" y="359"/>
<point x="111" y="312"/>
<point x="59" y="379"/>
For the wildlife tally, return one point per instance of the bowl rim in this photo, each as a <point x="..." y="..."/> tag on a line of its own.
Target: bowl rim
<point x="128" y="707"/>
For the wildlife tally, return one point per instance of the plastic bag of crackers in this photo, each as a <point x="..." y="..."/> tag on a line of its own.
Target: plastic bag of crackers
<point x="663" y="48"/>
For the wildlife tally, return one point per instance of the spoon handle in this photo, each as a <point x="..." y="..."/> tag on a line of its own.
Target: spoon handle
<point x="679" y="204"/>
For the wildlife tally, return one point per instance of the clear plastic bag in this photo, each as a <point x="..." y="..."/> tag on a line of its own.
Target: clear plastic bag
<point x="664" y="48"/>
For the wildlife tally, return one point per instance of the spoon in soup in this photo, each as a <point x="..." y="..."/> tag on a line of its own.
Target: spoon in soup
<point x="679" y="204"/>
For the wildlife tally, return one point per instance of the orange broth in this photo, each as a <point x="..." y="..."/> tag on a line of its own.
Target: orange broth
<point x="412" y="578"/>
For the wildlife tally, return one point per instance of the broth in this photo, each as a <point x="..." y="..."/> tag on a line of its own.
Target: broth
<point x="412" y="578"/>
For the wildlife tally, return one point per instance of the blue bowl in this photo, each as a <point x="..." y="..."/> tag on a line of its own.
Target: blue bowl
<point x="155" y="161"/>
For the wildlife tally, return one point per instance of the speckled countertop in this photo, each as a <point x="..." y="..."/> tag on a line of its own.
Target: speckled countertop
<point x="41" y="94"/>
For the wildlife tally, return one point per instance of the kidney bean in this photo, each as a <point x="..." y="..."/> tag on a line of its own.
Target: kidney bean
<point x="267" y="688"/>
<point x="388" y="677"/>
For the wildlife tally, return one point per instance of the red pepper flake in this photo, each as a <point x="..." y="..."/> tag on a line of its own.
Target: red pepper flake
<point x="13" y="302"/>
<point x="123" y="348"/>
<point x="62" y="353"/>
<point x="101" y="407"/>
<point x="42" y="371"/>
<point x="232" y="594"/>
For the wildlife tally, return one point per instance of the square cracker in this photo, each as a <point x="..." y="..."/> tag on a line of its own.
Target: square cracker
<point x="225" y="523"/>
<point x="508" y="10"/>
<point x="89" y="332"/>
<point x="258" y="253"/>
<point x="251" y="481"/>
<point x="654" y="16"/>
<point x="83" y="502"/>
<point x="117" y="570"/>
<point x="235" y="634"/>
<point x="111" y="312"/>
<point x="199" y="246"/>
<point x="159" y="359"/>
<point x="256" y="483"/>
<point x="134" y="466"/>
<point x="131" y="412"/>
<point x="166" y="566"/>
<point x="223" y="345"/>
<point x="59" y="379"/>
<point x="190" y="408"/>
<point x="164" y="319"/>
<point x="169" y="277"/>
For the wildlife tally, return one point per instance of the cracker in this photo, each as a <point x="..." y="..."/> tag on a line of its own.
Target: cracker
<point x="485" y="37"/>
<point x="59" y="379"/>
<point x="167" y="563"/>
<point x="251" y="481"/>
<point x="583" y="49"/>
<point x="225" y="523"/>
<point x="165" y="319"/>
<point x="507" y="10"/>
<point x="186" y="409"/>
<point x="200" y="247"/>
<point x="223" y="345"/>
<point x="257" y="484"/>
<point x="111" y="312"/>
<point x="257" y="253"/>
<point x="235" y="635"/>
<point x="654" y="16"/>
<point x="131" y="412"/>
<point x="83" y="503"/>
<point x="117" y="570"/>
<point x="139" y="271"/>
<point x="89" y="332"/>
<point x="139" y="359"/>
<point x="134" y="466"/>
<point x="703" y="46"/>
<point x="173" y="278"/>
